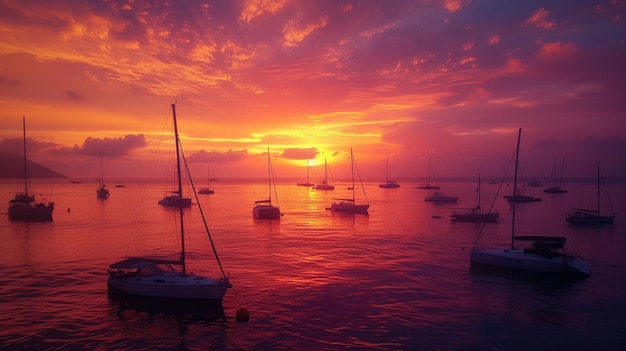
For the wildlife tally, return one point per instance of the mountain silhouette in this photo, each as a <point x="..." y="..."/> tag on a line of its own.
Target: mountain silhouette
<point x="13" y="167"/>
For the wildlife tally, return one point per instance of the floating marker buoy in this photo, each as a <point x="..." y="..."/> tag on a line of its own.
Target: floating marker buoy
<point x="242" y="315"/>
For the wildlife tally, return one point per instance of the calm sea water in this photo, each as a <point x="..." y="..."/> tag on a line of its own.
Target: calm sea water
<point x="397" y="279"/>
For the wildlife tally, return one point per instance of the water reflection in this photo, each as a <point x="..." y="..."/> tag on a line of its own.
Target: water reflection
<point x="164" y="317"/>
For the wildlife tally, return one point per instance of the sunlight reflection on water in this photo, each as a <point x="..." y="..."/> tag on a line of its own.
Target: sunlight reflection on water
<point x="396" y="279"/>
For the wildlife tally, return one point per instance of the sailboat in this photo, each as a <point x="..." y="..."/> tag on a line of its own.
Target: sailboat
<point x="428" y="185"/>
<point x="25" y="206"/>
<point x="263" y="209"/>
<point x="102" y="192"/>
<point x="439" y="196"/>
<point x="546" y="254"/>
<point x="165" y="278"/>
<point x="389" y="184"/>
<point x="474" y="214"/>
<point x="350" y="205"/>
<point x="207" y="190"/>
<point x="579" y="216"/>
<point x="324" y="184"/>
<point x="554" y="188"/>
<point x="307" y="176"/>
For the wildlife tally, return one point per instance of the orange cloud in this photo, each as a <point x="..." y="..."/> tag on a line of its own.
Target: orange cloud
<point x="294" y="32"/>
<point x="255" y="8"/>
<point x="557" y="51"/>
<point x="453" y="5"/>
<point x="540" y="19"/>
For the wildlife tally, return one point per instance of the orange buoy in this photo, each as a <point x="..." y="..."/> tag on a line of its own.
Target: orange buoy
<point x="242" y="315"/>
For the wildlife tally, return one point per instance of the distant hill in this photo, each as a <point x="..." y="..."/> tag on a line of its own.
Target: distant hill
<point x="13" y="167"/>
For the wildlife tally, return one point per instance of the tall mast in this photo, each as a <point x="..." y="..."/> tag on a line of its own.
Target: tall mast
<point x="479" y="192"/>
<point x="101" y="171"/>
<point x="352" y="169"/>
<point x="561" y="177"/>
<point x="598" y="188"/>
<point x="387" y="168"/>
<point x="25" y="162"/>
<point x="325" y="171"/>
<point x="269" y="175"/>
<point x="428" y="169"/>
<point x="519" y="136"/>
<point x="180" y="193"/>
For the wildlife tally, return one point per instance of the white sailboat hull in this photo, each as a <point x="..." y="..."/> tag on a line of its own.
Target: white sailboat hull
<point x="171" y="286"/>
<point x="520" y="260"/>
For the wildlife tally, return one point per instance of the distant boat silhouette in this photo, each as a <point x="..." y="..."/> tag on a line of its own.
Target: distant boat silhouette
<point x="438" y="196"/>
<point x="307" y="176"/>
<point x="389" y="184"/>
<point x="475" y="214"/>
<point x="555" y="188"/>
<point x="349" y="205"/>
<point x="428" y="185"/>
<point x="324" y="184"/>
<point x="264" y="209"/>
<point x="207" y="190"/>
<point x="102" y="192"/>
<point x="579" y="216"/>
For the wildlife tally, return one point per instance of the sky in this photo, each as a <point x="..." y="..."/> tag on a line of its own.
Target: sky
<point x="396" y="81"/>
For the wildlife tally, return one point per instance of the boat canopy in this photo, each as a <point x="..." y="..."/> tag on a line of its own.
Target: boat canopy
<point x="584" y="210"/>
<point x="142" y="262"/>
<point x="340" y="199"/>
<point x="554" y="239"/>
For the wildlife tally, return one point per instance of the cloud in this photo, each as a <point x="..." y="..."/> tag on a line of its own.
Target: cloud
<point x="295" y="31"/>
<point x="255" y="8"/>
<point x="107" y="147"/>
<point x="8" y="82"/>
<point x="16" y="145"/>
<point x="218" y="157"/>
<point x="74" y="96"/>
<point x="299" y="154"/>
<point x="540" y="19"/>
